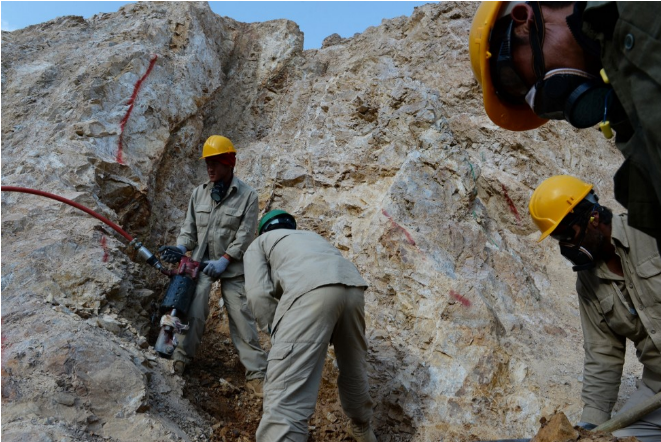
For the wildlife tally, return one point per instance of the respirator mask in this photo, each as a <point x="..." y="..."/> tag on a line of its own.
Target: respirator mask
<point x="218" y="192"/>
<point x="577" y="255"/>
<point x="560" y="94"/>
<point x="565" y="234"/>
<point x="572" y="95"/>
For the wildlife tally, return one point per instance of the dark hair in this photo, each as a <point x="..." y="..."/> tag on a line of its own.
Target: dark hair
<point x="605" y="214"/>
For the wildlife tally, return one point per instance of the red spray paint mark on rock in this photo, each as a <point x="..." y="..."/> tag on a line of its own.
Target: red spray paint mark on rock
<point x="104" y="246"/>
<point x="131" y="101"/>
<point x="465" y="302"/>
<point x="510" y="203"/>
<point x="409" y="238"/>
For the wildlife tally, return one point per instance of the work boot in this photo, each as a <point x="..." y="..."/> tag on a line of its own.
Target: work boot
<point x="256" y="387"/>
<point x="361" y="432"/>
<point x="179" y="367"/>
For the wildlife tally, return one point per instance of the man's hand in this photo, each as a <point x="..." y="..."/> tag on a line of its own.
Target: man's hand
<point x="215" y="268"/>
<point x="172" y="254"/>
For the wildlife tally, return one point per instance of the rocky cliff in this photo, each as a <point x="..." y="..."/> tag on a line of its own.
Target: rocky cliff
<point x="378" y="142"/>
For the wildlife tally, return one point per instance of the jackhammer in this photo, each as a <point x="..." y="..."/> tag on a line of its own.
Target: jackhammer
<point x="182" y="280"/>
<point x="178" y="298"/>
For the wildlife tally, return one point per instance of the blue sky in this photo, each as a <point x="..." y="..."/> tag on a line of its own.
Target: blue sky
<point x="317" y="19"/>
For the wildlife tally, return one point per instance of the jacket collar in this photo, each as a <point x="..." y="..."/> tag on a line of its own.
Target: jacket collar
<point x="619" y="240"/>
<point x="234" y="184"/>
<point x="618" y="232"/>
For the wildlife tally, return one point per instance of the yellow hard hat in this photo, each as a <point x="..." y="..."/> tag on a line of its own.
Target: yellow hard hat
<point x="554" y="199"/>
<point x="517" y="117"/>
<point x="217" y="145"/>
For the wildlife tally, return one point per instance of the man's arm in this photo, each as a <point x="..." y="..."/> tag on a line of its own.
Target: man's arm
<point x="604" y="359"/>
<point x="259" y="286"/>
<point x="188" y="233"/>
<point x="246" y="231"/>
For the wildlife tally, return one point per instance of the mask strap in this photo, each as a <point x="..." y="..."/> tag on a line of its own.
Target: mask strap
<point x="587" y="265"/>
<point x="537" y="40"/>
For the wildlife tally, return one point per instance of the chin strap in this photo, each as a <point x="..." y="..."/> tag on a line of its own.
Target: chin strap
<point x="537" y="33"/>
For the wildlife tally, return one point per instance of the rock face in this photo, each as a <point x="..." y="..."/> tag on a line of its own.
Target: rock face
<point x="379" y="142"/>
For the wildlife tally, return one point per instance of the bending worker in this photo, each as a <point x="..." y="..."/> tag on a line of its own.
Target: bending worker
<point x="220" y="224"/>
<point x="619" y="293"/>
<point x="586" y="63"/>
<point x="301" y="288"/>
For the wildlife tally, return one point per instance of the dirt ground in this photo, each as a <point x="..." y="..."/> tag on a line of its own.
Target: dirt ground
<point x="215" y="383"/>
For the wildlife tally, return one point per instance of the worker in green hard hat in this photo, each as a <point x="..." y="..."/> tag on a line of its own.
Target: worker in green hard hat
<point x="308" y="295"/>
<point x="220" y="224"/>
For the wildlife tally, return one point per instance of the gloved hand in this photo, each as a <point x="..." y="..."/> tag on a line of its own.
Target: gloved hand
<point x="215" y="268"/>
<point x="586" y="425"/>
<point x="172" y="254"/>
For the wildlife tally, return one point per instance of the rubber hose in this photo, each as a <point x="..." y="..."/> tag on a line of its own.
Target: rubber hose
<point x="71" y="203"/>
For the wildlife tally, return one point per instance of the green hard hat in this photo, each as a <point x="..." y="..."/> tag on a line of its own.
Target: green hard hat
<point x="275" y="214"/>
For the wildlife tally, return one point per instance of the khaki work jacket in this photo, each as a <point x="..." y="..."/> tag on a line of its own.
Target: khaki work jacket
<point x="219" y="228"/>
<point x="284" y="264"/>
<point x="630" y="37"/>
<point x="614" y="308"/>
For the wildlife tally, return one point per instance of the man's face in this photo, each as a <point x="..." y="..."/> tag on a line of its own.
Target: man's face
<point x="218" y="171"/>
<point x="560" y="48"/>
<point x="593" y="242"/>
<point x="593" y="239"/>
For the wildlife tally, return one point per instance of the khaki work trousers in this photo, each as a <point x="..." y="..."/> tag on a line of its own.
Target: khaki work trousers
<point x="648" y="429"/>
<point x="329" y="314"/>
<point x="243" y="329"/>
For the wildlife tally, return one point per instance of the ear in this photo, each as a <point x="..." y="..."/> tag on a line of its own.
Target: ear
<point x="594" y="218"/>
<point x="523" y="18"/>
<point x="522" y="13"/>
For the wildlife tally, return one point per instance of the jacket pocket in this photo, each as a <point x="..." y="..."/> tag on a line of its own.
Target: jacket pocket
<point x="649" y="267"/>
<point x="649" y="272"/>
<point x="606" y="302"/>
<point x="231" y="219"/>
<point x="202" y="213"/>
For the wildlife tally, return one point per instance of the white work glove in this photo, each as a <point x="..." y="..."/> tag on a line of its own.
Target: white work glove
<point x="172" y="254"/>
<point x="215" y="268"/>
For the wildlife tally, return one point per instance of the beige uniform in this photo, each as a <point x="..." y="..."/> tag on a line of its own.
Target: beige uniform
<point x="308" y="295"/>
<point x="614" y="308"/>
<point x="210" y="230"/>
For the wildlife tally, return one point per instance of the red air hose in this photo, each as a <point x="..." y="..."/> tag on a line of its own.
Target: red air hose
<point x="71" y="203"/>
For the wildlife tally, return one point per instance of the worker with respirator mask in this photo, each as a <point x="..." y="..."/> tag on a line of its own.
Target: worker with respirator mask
<point x="619" y="292"/>
<point x="590" y="64"/>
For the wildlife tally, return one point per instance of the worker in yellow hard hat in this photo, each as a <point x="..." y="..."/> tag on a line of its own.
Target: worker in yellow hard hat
<point x="587" y="64"/>
<point x="619" y="296"/>
<point x="220" y="224"/>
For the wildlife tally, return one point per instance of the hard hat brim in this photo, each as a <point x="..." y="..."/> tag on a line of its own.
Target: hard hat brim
<point x="514" y="117"/>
